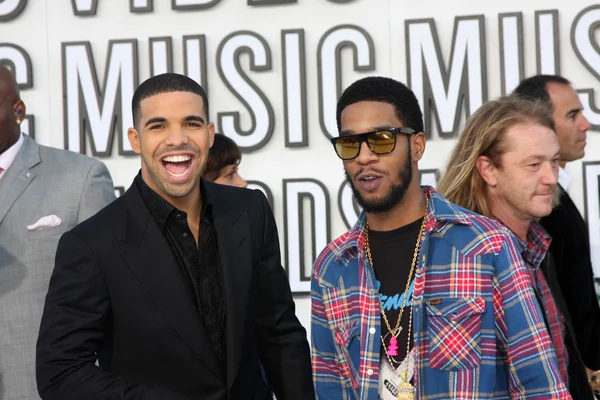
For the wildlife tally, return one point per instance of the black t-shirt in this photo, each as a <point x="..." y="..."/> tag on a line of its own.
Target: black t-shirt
<point x="392" y="253"/>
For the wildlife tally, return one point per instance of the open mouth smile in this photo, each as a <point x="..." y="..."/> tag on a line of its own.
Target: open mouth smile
<point x="178" y="167"/>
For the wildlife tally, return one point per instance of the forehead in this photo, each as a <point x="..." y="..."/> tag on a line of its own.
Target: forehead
<point x="7" y="90"/>
<point x="366" y="115"/>
<point x="529" y="140"/>
<point x="172" y="104"/>
<point x="563" y="95"/>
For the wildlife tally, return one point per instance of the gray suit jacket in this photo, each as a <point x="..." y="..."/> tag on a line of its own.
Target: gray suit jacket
<point x="42" y="181"/>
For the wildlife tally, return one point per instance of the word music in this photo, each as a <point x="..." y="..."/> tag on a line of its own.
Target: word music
<point x="97" y="113"/>
<point x="443" y="90"/>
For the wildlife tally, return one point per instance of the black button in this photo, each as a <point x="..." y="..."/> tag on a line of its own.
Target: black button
<point x="178" y="216"/>
<point x="184" y="234"/>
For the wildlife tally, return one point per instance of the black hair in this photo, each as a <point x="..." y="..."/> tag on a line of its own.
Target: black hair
<point x="165" y="83"/>
<point x="385" y="90"/>
<point x="535" y="87"/>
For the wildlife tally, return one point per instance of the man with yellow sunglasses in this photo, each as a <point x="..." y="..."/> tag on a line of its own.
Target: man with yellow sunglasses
<point x="421" y="298"/>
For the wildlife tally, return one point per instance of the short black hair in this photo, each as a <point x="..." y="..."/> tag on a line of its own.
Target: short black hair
<point x="165" y="83"/>
<point x="535" y="87"/>
<point x="224" y="152"/>
<point x="385" y="90"/>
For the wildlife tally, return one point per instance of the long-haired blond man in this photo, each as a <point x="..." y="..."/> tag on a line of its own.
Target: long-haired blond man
<point x="505" y="166"/>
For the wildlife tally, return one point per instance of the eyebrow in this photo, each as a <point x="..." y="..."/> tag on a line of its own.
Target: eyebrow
<point x="196" y="118"/>
<point x="537" y="157"/>
<point x="155" y="120"/>
<point x="348" y="132"/>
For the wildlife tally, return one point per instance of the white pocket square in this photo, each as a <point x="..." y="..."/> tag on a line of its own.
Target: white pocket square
<point x="49" y="221"/>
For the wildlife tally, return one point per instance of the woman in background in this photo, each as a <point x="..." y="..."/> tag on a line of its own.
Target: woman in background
<point x="223" y="160"/>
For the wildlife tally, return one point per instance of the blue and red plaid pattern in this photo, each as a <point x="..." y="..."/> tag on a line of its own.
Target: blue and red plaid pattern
<point x="454" y="332"/>
<point x="534" y="250"/>
<point x="477" y="326"/>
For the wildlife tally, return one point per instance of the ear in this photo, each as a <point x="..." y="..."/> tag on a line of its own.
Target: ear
<point x="418" y="145"/>
<point x="134" y="140"/>
<point x="211" y="133"/>
<point x="486" y="170"/>
<point x="19" y="109"/>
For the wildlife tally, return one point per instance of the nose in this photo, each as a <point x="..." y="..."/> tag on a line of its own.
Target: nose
<point x="365" y="155"/>
<point x="177" y="137"/>
<point x="240" y="182"/>
<point x="549" y="174"/>
<point x="584" y="124"/>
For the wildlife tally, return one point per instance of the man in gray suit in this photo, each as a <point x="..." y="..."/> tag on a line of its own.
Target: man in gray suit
<point x="43" y="193"/>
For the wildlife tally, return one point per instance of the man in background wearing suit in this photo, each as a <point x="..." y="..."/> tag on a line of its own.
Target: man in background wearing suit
<point x="570" y="246"/>
<point x="176" y="288"/>
<point x="43" y="193"/>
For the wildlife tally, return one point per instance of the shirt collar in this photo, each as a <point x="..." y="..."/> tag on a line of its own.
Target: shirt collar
<point x="564" y="178"/>
<point x="161" y="209"/>
<point x="9" y="155"/>
<point x="439" y="213"/>
<point x="536" y="245"/>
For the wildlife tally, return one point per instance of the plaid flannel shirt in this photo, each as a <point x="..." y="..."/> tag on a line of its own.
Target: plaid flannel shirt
<point x="534" y="250"/>
<point x="477" y="326"/>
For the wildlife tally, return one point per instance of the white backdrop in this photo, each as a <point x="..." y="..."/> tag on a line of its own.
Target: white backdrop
<point x="273" y="70"/>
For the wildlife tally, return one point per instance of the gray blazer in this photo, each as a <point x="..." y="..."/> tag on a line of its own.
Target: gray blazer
<point x="41" y="182"/>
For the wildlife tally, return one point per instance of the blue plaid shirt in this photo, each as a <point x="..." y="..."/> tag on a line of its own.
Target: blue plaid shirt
<point x="478" y="329"/>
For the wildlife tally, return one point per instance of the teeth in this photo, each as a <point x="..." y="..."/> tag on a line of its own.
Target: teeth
<point x="177" y="175"/>
<point x="180" y="158"/>
<point x="369" y="178"/>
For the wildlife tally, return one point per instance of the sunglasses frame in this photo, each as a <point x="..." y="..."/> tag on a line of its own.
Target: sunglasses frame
<point x="363" y="138"/>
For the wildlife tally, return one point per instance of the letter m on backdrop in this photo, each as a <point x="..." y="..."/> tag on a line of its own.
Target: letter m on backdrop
<point x="447" y="91"/>
<point x="93" y="112"/>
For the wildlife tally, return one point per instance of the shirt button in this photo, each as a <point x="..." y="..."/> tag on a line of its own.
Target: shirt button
<point x="184" y="234"/>
<point x="370" y="372"/>
<point x="372" y="331"/>
<point x="178" y="216"/>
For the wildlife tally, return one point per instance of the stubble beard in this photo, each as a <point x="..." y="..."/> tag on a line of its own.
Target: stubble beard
<point x="394" y="196"/>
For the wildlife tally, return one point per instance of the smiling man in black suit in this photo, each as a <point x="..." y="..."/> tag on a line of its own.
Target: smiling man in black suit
<point x="176" y="288"/>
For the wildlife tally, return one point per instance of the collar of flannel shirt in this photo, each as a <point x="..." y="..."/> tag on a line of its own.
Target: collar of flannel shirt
<point x="535" y="247"/>
<point x="440" y="213"/>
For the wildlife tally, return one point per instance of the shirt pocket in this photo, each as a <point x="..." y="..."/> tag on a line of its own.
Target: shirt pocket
<point x="454" y="329"/>
<point x="347" y="339"/>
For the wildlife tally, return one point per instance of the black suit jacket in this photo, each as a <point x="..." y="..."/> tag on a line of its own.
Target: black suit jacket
<point x="571" y="251"/>
<point x="579" y="387"/>
<point x="117" y="295"/>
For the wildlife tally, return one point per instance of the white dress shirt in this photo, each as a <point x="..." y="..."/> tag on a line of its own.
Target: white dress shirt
<point x="564" y="179"/>
<point x="7" y="158"/>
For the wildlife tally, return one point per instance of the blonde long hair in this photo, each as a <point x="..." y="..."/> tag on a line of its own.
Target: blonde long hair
<point x="483" y="135"/>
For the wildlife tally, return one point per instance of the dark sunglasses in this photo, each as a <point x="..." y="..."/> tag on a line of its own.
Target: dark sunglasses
<point x="380" y="142"/>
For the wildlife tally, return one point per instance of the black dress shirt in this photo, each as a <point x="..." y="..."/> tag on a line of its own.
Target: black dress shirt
<point x="199" y="261"/>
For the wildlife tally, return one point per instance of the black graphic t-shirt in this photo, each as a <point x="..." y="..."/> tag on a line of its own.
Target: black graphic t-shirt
<point x="392" y="253"/>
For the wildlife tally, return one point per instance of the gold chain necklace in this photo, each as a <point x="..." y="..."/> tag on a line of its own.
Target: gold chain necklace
<point x="405" y="389"/>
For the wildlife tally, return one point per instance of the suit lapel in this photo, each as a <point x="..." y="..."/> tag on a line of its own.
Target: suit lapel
<point x="232" y="230"/>
<point x="149" y="257"/>
<point x="18" y="176"/>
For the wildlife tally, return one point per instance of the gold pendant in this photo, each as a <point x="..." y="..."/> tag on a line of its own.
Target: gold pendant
<point x="405" y="390"/>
